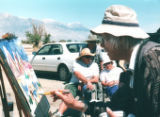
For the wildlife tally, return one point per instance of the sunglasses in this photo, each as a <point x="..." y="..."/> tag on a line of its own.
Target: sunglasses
<point x="108" y="63"/>
<point x="88" y="57"/>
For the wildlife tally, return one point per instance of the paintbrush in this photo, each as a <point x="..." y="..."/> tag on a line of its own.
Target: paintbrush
<point x="49" y="92"/>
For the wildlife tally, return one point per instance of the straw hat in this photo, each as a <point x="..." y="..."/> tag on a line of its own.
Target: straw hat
<point x="92" y="38"/>
<point x="85" y="52"/>
<point x="120" y="20"/>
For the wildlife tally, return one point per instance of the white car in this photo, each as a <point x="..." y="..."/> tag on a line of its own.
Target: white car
<point x="57" y="57"/>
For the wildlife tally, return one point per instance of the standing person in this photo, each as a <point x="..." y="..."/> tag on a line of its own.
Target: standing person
<point x="85" y="71"/>
<point x="122" y="38"/>
<point x="109" y="77"/>
<point x="95" y="49"/>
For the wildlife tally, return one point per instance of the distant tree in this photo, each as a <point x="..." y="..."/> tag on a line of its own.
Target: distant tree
<point x="25" y="41"/>
<point x="46" y="38"/>
<point x="9" y="36"/>
<point x="69" y="40"/>
<point x="62" y="41"/>
<point x="35" y="37"/>
<point x="53" y="41"/>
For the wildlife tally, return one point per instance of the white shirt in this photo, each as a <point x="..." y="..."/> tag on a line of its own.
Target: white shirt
<point x="87" y="71"/>
<point x="132" y="62"/>
<point x="133" y="57"/>
<point x="110" y="75"/>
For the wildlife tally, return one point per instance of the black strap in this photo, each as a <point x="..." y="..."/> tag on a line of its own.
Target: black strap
<point x="120" y="23"/>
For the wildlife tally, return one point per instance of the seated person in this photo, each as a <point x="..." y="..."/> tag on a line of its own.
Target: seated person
<point x="110" y="76"/>
<point x="85" y="71"/>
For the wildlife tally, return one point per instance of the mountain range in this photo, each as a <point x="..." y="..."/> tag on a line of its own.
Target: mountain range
<point x="59" y="31"/>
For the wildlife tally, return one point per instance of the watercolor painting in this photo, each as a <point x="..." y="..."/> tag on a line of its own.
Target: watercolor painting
<point x="23" y="72"/>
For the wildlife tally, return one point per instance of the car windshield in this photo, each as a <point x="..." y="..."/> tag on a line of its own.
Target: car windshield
<point x="74" y="48"/>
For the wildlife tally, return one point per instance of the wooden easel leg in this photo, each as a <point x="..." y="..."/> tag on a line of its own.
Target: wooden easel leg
<point x="19" y="107"/>
<point x="3" y="96"/>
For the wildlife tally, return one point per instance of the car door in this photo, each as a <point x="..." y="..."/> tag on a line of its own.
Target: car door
<point x="40" y="59"/>
<point x="55" y="57"/>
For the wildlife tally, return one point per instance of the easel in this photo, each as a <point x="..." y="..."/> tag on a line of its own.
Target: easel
<point x="3" y="96"/>
<point x="8" y="106"/>
<point x="42" y="108"/>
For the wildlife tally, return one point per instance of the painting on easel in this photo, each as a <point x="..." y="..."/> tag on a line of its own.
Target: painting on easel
<point x="20" y="72"/>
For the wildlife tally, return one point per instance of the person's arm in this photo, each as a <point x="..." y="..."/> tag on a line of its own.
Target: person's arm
<point x="104" y="83"/>
<point x="81" y="77"/>
<point x="111" y="83"/>
<point x="94" y="79"/>
<point x="102" y="78"/>
<point x="69" y="100"/>
<point x="84" y="79"/>
<point x="95" y="70"/>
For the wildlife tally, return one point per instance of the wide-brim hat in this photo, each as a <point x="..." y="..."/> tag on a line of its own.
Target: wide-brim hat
<point x="120" y="20"/>
<point x="92" y="38"/>
<point x="85" y="52"/>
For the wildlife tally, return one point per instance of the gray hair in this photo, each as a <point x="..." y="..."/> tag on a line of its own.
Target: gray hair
<point x="126" y="42"/>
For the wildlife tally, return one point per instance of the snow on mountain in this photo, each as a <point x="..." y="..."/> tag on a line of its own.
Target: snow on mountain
<point x="58" y="31"/>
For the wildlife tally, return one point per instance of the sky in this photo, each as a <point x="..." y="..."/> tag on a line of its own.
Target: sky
<point x="87" y="12"/>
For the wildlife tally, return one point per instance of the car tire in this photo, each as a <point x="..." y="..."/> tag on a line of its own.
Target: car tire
<point x="63" y="73"/>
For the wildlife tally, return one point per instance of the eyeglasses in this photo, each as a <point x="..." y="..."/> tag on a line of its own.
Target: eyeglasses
<point x="108" y="63"/>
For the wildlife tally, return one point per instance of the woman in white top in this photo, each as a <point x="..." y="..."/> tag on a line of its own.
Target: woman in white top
<point x="110" y="77"/>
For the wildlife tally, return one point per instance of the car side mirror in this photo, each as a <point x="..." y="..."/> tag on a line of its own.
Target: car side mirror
<point x="34" y="53"/>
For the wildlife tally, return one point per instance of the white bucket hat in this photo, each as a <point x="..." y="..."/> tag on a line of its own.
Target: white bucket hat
<point x="120" y="20"/>
<point x="85" y="52"/>
<point x="106" y="59"/>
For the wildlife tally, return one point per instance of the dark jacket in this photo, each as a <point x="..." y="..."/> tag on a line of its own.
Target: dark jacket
<point x="147" y="80"/>
<point x="144" y="98"/>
